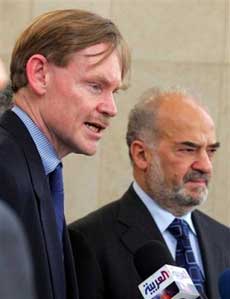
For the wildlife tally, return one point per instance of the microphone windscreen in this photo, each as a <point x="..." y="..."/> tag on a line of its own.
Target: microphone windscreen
<point x="224" y="284"/>
<point x="151" y="257"/>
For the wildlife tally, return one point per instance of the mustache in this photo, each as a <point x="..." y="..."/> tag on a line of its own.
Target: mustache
<point x="195" y="175"/>
<point x="104" y="119"/>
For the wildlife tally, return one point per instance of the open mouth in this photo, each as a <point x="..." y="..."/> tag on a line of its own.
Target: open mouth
<point x="94" y="127"/>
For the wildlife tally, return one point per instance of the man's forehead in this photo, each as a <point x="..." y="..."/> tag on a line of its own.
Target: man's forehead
<point x="196" y="135"/>
<point x="174" y="104"/>
<point x="179" y="113"/>
<point x="95" y="55"/>
<point x="98" y="55"/>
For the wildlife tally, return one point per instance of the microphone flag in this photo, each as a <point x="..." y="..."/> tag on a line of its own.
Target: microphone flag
<point x="169" y="282"/>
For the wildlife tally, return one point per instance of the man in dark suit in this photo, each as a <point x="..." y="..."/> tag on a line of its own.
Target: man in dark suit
<point x="17" y="280"/>
<point x="171" y="140"/>
<point x="16" y="276"/>
<point x="65" y="68"/>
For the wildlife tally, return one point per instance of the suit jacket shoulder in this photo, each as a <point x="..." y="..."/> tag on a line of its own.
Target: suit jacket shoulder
<point x="18" y="156"/>
<point x="104" y="243"/>
<point x="206" y="223"/>
<point x="126" y="217"/>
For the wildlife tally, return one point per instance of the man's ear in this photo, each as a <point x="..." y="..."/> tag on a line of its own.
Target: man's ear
<point x="36" y="70"/>
<point x="140" y="153"/>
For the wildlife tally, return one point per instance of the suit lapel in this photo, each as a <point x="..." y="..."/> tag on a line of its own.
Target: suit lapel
<point x="210" y="252"/>
<point x="16" y="128"/>
<point x="140" y="226"/>
<point x="12" y="124"/>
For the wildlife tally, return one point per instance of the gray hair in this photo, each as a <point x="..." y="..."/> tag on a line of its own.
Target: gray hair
<point x="142" y="121"/>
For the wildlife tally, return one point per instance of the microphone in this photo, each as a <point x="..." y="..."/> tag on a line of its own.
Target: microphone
<point x="224" y="284"/>
<point x="161" y="278"/>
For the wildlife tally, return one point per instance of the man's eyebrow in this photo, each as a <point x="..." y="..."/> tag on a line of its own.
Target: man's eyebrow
<point x="103" y="80"/>
<point x="215" y="145"/>
<point x="195" y="145"/>
<point x="189" y="143"/>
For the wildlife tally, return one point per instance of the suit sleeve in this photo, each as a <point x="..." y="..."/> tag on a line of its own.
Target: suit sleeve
<point x="89" y="274"/>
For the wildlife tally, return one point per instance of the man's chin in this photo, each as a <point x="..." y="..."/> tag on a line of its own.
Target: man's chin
<point x="196" y="199"/>
<point x="193" y="197"/>
<point x="89" y="151"/>
<point x="86" y="148"/>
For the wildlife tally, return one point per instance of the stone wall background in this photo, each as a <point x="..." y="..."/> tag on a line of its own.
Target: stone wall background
<point x="173" y="42"/>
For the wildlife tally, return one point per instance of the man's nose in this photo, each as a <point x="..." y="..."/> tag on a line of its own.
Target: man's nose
<point x="107" y="106"/>
<point x="203" y="163"/>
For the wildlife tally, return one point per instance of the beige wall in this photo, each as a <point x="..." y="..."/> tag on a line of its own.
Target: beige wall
<point x="173" y="42"/>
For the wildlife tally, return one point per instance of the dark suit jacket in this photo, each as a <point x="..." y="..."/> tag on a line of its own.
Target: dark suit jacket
<point x="15" y="261"/>
<point x="24" y="185"/>
<point x="105" y="241"/>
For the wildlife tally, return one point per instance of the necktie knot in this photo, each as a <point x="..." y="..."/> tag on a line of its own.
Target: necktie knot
<point x="56" y="180"/>
<point x="179" y="229"/>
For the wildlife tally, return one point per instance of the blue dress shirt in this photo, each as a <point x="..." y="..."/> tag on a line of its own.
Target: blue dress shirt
<point x="46" y="150"/>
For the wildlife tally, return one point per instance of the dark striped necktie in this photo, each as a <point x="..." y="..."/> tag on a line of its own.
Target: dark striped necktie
<point x="184" y="253"/>
<point x="57" y="191"/>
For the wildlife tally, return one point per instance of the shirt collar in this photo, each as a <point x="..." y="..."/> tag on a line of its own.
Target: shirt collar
<point x="46" y="150"/>
<point x="162" y="217"/>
